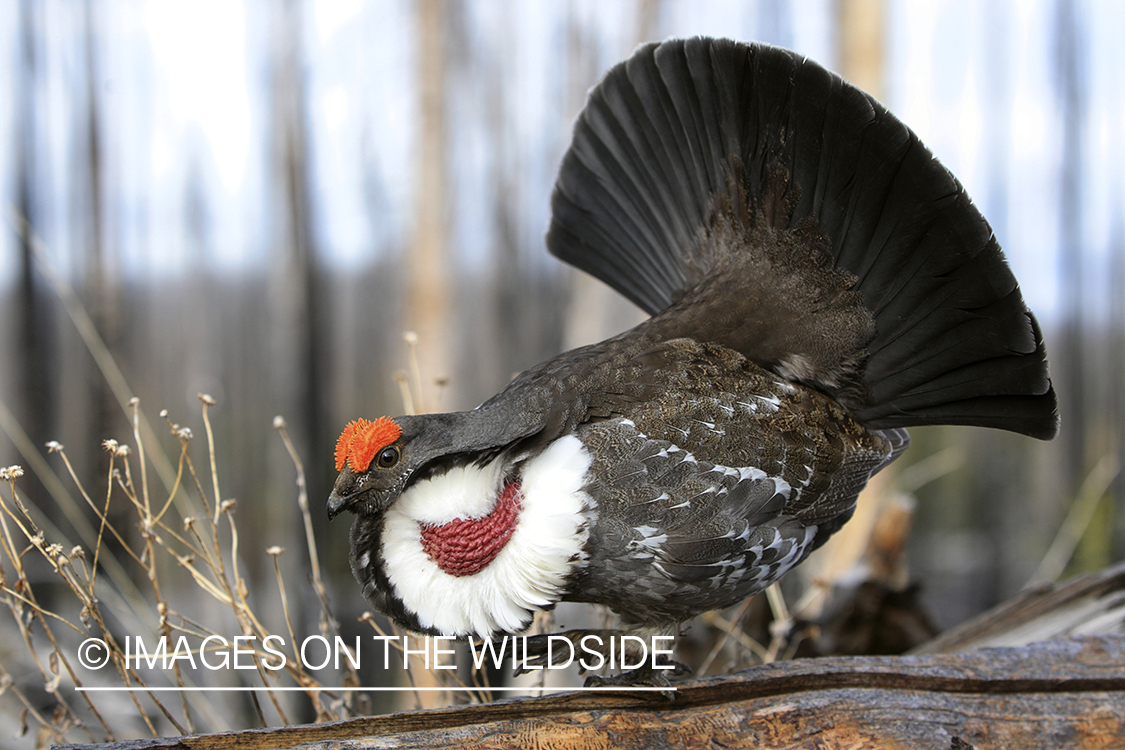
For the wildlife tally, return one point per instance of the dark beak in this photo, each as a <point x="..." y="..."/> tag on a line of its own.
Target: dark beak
<point x="338" y="504"/>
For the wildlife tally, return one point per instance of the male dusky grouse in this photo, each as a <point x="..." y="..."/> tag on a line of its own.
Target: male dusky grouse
<point x="817" y="282"/>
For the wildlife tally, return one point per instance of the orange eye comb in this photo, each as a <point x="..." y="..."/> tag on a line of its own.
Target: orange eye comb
<point x="361" y="440"/>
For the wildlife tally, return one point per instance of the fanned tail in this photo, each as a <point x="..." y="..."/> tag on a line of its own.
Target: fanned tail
<point x="744" y="195"/>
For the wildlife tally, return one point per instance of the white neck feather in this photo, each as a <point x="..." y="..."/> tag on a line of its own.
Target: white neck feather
<point x="531" y="570"/>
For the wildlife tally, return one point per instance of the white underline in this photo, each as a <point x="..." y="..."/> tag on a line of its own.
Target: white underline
<point x="322" y="689"/>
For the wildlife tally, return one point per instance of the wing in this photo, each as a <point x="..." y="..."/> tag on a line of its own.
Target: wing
<point x="716" y="483"/>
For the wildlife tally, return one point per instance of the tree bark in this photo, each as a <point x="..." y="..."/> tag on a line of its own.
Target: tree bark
<point x="1067" y="693"/>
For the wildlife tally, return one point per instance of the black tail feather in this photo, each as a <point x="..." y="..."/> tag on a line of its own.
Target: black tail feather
<point x="651" y="164"/>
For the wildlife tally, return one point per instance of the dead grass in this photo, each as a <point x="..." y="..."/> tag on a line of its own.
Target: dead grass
<point x="204" y="543"/>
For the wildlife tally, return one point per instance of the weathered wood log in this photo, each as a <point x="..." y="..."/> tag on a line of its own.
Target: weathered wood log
<point x="1089" y="604"/>
<point x="1058" y="694"/>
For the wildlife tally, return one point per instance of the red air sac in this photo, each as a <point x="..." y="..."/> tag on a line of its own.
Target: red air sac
<point x="466" y="546"/>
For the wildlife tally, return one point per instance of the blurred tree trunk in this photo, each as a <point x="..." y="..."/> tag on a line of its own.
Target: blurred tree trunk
<point x="1070" y="364"/>
<point x="102" y="296"/>
<point x="35" y="373"/>
<point x="526" y="304"/>
<point x="1002" y="519"/>
<point x="429" y="305"/>
<point x="648" y="15"/>
<point x="513" y="308"/>
<point x="1083" y="403"/>
<point x="859" y="38"/>
<point x="296" y="353"/>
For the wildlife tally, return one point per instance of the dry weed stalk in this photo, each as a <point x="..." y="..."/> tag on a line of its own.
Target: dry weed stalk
<point x="204" y="542"/>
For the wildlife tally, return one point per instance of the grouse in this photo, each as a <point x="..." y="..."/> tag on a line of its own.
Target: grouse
<point x="817" y="282"/>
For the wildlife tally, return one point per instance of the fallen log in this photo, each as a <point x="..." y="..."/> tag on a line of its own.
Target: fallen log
<point x="1057" y="694"/>
<point x="1089" y="604"/>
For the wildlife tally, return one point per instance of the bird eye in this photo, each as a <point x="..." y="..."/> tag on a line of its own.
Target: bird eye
<point x="388" y="457"/>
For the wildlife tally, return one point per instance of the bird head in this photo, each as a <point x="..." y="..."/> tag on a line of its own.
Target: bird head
<point x="369" y="457"/>
<point x="378" y="460"/>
